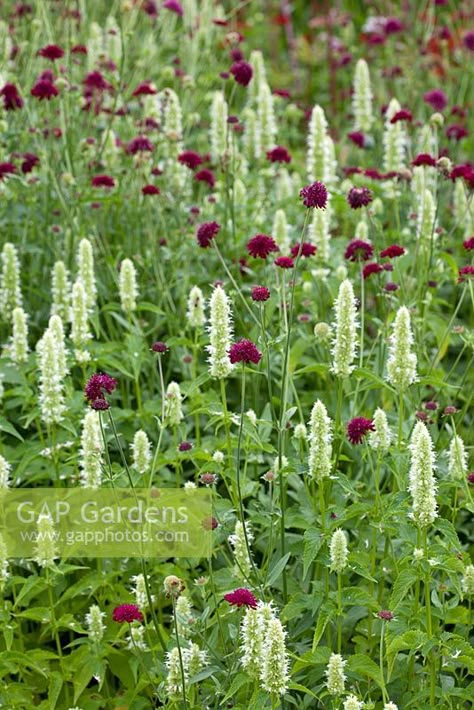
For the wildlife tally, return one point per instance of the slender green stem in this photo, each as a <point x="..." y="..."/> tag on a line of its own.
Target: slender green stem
<point x="181" y="664"/>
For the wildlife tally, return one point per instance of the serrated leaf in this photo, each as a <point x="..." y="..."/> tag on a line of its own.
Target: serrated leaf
<point x="312" y="544"/>
<point x="363" y="665"/>
<point x="402" y="585"/>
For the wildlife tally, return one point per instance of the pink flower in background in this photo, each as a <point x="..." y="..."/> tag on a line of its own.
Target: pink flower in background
<point x="305" y="249"/>
<point x="359" y="197"/>
<point x="11" y="97"/>
<point x="436" y="98"/>
<point x="190" y="158"/>
<point x="392" y="251"/>
<point x="102" y="181"/>
<point x="242" y="73"/>
<point x="173" y="6"/>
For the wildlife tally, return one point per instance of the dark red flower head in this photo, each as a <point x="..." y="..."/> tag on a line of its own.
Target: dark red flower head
<point x="468" y="40"/>
<point x="185" y="446"/>
<point x="465" y="272"/>
<point x="7" y="169"/>
<point x="402" y="115"/>
<point x="357" y="428"/>
<point x="159" y="347"/>
<point x="470" y="477"/>
<point x="209" y="523"/>
<point x="359" y="197"/>
<point x="372" y="268"/>
<point x="96" y="385"/>
<point x="424" y="159"/>
<point x="305" y="249"/>
<point x="100" y="404"/>
<point x="392" y="251"/>
<point x="11" y="97"/>
<point x="94" y="81"/>
<point x="436" y="98"/>
<point x="144" y="89"/>
<point x="102" y="181"/>
<point x="173" y="6"/>
<point x="261" y="245"/>
<point x="244" y="351"/>
<point x="464" y="171"/>
<point x="190" y="158"/>
<point x="358" y="250"/>
<point x="456" y="132"/>
<point x="284" y="262"/>
<point x="206" y="233"/>
<point x="357" y="138"/>
<point x="52" y="52"/>
<point x="206" y="175"/>
<point x="385" y="615"/>
<point x="44" y="89"/>
<point x="30" y="161"/>
<point x="241" y="597"/>
<point x="150" y="190"/>
<point x="468" y="244"/>
<point x="279" y="154"/>
<point x="140" y="144"/>
<point x="314" y="195"/>
<point x="128" y="613"/>
<point x="242" y="73"/>
<point x="260" y="293"/>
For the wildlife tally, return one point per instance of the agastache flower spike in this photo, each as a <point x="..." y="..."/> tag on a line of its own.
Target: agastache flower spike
<point x="85" y="263"/>
<point x="401" y="365"/>
<point x="94" y="623"/>
<point x="241" y="556"/>
<point x="5" y="469"/>
<point x="218" y="130"/>
<point x="220" y="334"/>
<point x="362" y="98"/>
<point x="141" y="449"/>
<point x="91" y="452"/>
<point x="352" y="703"/>
<point x="10" y="292"/>
<point x="335" y="677"/>
<point x="80" y="333"/>
<point x="422" y="483"/>
<point x="338" y="551"/>
<point x="51" y="398"/>
<point x="61" y="290"/>
<point x="457" y="458"/>
<point x="128" y="286"/>
<point x="173" y="411"/>
<point x="274" y="675"/>
<point x="320" y="436"/>
<point x="195" y="313"/>
<point x="46" y="551"/>
<point x="4" y="573"/>
<point x="18" y="348"/>
<point x="344" y="345"/>
<point x="381" y="436"/>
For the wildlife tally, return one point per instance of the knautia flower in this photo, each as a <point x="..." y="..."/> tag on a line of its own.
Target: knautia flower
<point x="91" y="452"/>
<point x="126" y="613"/>
<point x="362" y="98"/>
<point x="344" y="344"/>
<point x="94" y="623"/>
<point x="237" y="540"/>
<point x="4" y="573"/>
<point x="274" y="676"/>
<point x="174" y="685"/>
<point x="335" y="676"/>
<point x="467" y="581"/>
<point x="422" y="483"/>
<point x="5" y="469"/>
<point x="394" y="140"/>
<point x="338" y="551"/>
<point x="173" y="410"/>
<point x="10" y="291"/>
<point x="280" y="231"/>
<point x="381" y="437"/>
<point x="55" y="325"/>
<point x="85" y="265"/>
<point x="80" y="332"/>
<point x="51" y="398"/>
<point x="457" y="458"/>
<point x="195" y="314"/>
<point x="352" y="703"/>
<point x="61" y="291"/>
<point x="183" y="616"/>
<point x="320" y="437"/>
<point x="139" y="591"/>
<point x="218" y="130"/>
<point x="220" y="334"/>
<point x="401" y="365"/>
<point x="194" y="659"/>
<point x="128" y="286"/>
<point x="45" y="550"/>
<point x="18" y="348"/>
<point x="141" y="449"/>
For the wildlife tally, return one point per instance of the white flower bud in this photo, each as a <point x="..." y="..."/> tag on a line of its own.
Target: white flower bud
<point x="467" y="582"/>
<point x="5" y="469"/>
<point x="18" y="348"/>
<point x="335" y="677"/>
<point x="91" y="453"/>
<point x="10" y="291"/>
<point x="4" y="573"/>
<point x="46" y="550"/>
<point x="274" y="675"/>
<point x="61" y="290"/>
<point x="85" y="263"/>
<point x="128" y="286"/>
<point x="457" y="458"/>
<point x="195" y="314"/>
<point x="237" y="540"/>
<point x="401" y="365"/>
<point x="338" y="551"/>
<point x="80" y="333"/>
<point x="94" y="623"/>
<point x="51" y="398"/>
<point x="380" y="438"/>
<point x="173" y="411"/>
<point x="362" y="98"/>
<point x="320" y="437"/>
<point x="422" y="483"/>
<point x="220" y="334"/>
<point x="141" y="448"/>
<point x="344" y="344"/>
<point x="218" y="130"/>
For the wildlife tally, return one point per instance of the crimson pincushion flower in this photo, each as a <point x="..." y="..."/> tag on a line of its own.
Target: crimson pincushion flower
<point x="242" y="73"/>
<point x="372" y="268"/>
<point x="260" y="293"/>
<point x="96" y="384"/>
<point x="358" y="250"/>
<point x="305" y="249"/>
<point x="140" y="144"/>
<point x="359" y="197"/>
<point x="261" y="245"/>
<point x="206" y="175"/>
<point x="244" y="351"/>
<point x="314" y="195"/>
<point x="190" y="158"/>
<point x="357" y="428"/>
<point x="284" y="262"/>
<point x="424" y="159"/>
<point x="464" y="171"/>
<point x="279" y="154"/>
<point x="44" y="89"/>
<point x="102" y="181"/>
<point x="52" y="52"/>
<point x="402" y="115"/>
<point x="465" y="272"/>
<point x="159" y="347"/>
<point x="392" y="251"/>
<point x="128" y="613"/>
<point x="456" y="131"/>
<point x="6" y="169"/>
<point x="385" y="615"/>
<point x="358" y="138"/>
<point x="241" y="597"/>
<point x="150" y="190"/>
<point x="206" y="233"/>
<point x="173" y="6"/>
<point x="436" y="98"/>
<point x="145" y="88"/>
<point x="11" y="97"/>
<point x="468" y="244"/>
<point x="30" y="161"/>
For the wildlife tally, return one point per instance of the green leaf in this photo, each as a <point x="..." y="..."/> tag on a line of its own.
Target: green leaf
<point x="326" y="613"/>
<point x="303" y="689"/>
<point x="9" y="428"/>
<point x="312" y="545"/>
<point x="363" y="665"/>
<point x="239" y="681"/>
<point x="54" y="689"/>
<point x="277" y="569"/>
<point x="405" y="580"/>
